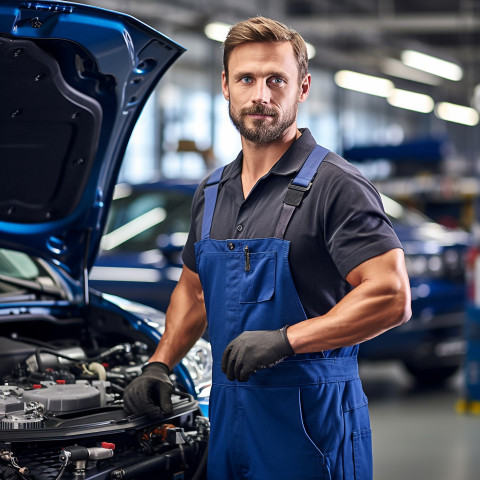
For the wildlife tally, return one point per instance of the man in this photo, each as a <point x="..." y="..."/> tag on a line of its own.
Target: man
<point x="293" y="261"/>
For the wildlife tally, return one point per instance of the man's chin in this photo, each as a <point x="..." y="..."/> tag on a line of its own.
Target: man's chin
<point x="261" y="138"/>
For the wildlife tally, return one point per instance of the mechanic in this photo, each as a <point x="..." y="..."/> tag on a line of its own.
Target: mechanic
<point x="293" y="261"/>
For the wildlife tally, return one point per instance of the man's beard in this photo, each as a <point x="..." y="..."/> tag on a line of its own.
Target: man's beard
<point x="263" y="131"/>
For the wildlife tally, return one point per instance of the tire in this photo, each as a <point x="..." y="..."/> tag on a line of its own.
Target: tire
<point x="430" y="376"/>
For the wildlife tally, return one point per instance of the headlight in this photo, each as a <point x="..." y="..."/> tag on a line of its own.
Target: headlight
<point x="416" y="265"/>
<point x="198" y="362"/>
<point x="448" y="264"/>
<point x="425" y="265"/>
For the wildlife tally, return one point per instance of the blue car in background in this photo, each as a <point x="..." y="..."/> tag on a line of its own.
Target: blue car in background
<point x="148" y="226"/>
<point x="141" y="250"/>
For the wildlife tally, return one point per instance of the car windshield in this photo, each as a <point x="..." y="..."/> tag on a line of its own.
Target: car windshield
<point x="139" y="220"/>
<point x="18" y="265"/>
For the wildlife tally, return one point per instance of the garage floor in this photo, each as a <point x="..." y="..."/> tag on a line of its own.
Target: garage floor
<point x="417" y="434"/>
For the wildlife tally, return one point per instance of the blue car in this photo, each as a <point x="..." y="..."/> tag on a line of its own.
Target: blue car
<point x="140" y="256"/>
<point x="141" y="260"/>
<point x="74" y="80"/>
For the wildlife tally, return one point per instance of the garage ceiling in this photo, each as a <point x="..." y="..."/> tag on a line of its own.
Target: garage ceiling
<point x="360" y="35"/>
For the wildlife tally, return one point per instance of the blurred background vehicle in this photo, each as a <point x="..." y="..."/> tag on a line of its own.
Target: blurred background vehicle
<point x="148" y="226"/>
<point x="146" y="230"/>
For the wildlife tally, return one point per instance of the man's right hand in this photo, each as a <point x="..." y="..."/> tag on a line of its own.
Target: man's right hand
<point x="151" y="392"/>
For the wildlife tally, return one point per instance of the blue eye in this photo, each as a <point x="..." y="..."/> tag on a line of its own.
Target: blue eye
<point x="246" y="79"/>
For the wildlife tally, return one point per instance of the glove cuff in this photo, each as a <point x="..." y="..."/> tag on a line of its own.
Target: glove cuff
<point x="283" y="331"/>
<point x="157" y="366"/>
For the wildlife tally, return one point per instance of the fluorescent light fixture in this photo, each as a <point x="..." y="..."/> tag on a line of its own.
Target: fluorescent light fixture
<point x="360" y="82"/>
<point x="418" y="102"/>
<point x="125" y="274"/>
<point x="218" y="31"/>
<point x="427" y="63"/>
<point x="395" y="68"/>
<point x="457" y="113"/>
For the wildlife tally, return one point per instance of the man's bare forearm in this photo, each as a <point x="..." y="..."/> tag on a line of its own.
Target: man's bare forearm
<point x="379" y="301"/>
<point x="186" y="320"/>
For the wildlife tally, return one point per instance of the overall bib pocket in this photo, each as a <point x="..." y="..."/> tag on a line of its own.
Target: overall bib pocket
<point x="257" y="273"/>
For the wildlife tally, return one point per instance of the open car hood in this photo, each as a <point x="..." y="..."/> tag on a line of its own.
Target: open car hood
<point x="73" y="81"/>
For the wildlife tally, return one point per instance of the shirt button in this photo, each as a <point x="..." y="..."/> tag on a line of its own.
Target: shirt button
<point x="230" y="246"/>
<point x="239" y="228"/>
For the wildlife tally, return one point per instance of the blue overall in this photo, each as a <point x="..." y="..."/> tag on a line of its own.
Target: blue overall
<point x="306" y="417"/>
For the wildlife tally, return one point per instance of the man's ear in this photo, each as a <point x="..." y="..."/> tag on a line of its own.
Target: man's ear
<point x="305" y="88"/>
<point x="226" y="92"/>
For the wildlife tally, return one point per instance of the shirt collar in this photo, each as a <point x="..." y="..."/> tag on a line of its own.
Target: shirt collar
<point x="293" y="159"/>
<point x="290" y="162"/>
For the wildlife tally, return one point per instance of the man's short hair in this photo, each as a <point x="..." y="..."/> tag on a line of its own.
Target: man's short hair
<point x="262" y="29"/>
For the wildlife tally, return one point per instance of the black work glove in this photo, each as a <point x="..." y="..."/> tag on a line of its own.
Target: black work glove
<point x="251" y="351"/>
<point x="151" y="392"/>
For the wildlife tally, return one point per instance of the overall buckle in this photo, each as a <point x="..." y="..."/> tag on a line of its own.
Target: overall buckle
<point x="295" y="193"/>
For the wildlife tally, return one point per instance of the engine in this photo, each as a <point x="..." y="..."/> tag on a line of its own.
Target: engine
<point x="62" y="417"/>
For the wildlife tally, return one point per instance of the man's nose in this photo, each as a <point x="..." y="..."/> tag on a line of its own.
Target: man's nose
<point x="261" y="93"/>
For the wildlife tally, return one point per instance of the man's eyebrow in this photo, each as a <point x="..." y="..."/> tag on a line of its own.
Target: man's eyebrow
<point x="242" y="74"/>
<point x="275" y="73"/>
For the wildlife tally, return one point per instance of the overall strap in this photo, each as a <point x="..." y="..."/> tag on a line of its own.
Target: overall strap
<point x="298" y="187"/>
<point x="210" y="192"/>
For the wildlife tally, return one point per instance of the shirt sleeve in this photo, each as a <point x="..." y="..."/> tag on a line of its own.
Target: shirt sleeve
<point x="355" y="224"/>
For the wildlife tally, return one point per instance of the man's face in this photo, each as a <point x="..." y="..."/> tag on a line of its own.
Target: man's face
<point x="263" y="90"/>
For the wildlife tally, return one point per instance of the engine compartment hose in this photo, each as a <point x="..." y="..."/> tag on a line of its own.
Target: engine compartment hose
<point x="167" y="461"/>
<point x="99" y="369"/>
<point x="202" y="464"/>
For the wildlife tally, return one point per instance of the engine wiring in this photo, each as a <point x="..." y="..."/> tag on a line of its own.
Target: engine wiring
<point x="56" y="375"/>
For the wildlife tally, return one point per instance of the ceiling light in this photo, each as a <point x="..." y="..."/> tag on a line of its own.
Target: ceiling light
<point x="417" y="102"/>
<point x="364" y="83"/>
<point x="430" y="64"/>
<point x="457" y="113"/>
<point x="395" y="68"/>
<point x="217" y="31"/>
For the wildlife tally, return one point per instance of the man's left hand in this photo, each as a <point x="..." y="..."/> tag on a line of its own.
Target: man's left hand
<point x="254" y="350"/>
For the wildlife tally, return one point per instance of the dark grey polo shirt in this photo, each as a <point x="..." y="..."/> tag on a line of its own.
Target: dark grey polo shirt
<point x="340" y="223"/>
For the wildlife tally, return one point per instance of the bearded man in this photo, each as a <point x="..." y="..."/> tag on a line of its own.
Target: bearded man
<point x="292" y="262"/>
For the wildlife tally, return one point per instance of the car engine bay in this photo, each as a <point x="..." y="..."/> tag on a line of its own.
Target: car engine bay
<point x="62" y="416"/>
